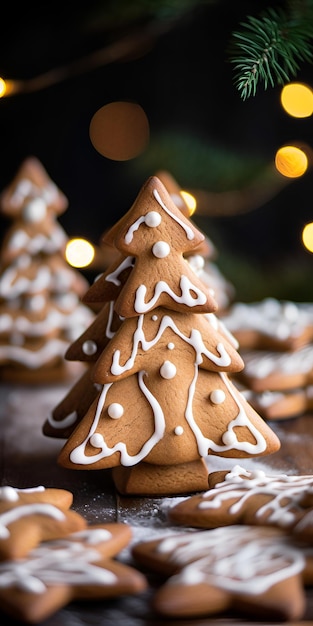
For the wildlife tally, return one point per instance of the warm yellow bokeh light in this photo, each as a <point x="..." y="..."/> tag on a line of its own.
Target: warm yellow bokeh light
<point x="291" y="161"/>
<point x="190" y="200"/>
<point x="307" y="236"/>
<point x="297" y="100"/>
<point x="79" y="252"/>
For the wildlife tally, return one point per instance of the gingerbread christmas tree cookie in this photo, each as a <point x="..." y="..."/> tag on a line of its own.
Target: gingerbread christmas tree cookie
<point x="41" y="311"/>
<point x="165" y="401"/>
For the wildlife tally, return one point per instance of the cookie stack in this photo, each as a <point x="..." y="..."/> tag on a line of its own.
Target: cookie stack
<point x="252" y="556"/>
<point x="276" y="343"/>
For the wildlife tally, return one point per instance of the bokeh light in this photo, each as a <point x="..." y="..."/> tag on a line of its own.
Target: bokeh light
<point x="79" y="252"/>
<point x="190" y="200"/>
<point x="297" y="100"/>
<point x="291" y="161"/>
<point x="120" y="131"/>
<point x="307" y="236"/>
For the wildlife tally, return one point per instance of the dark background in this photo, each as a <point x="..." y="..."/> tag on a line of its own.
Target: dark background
<point x="201" y="131"/>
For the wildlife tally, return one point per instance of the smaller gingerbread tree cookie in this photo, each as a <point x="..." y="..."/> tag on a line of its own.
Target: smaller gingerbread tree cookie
<point x="40" y="294"/>
<point x="165" y="401"/>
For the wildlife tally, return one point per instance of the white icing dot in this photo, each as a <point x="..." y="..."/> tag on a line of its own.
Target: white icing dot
<point x="217" y="396"/>
<point x="35" y="210"/>
<point x="229" y="438"/>
<point x="154" y="318"/>
<point x="96" y="440"/>
<point x="36" y="303"/>
<point x="115" y="410"/>
<point x="161" y="249"/>
<point x="8" y="493"/>
<point x="178" y="430"/>
<point x="171" y="345"/>
<point x="168" y="370"/>
<point x="89" y="347"/>
<point x="177" y="199"/>
<point x="152" y="219"/>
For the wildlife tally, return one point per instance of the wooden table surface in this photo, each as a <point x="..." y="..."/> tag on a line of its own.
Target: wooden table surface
<point x="28" y="459"/>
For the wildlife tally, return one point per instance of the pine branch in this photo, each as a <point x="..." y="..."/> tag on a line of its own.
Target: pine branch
<point x="270" y="48"/>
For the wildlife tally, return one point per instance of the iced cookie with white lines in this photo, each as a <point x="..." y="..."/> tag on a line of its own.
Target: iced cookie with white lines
<point x="78" y="566"/>
<point x="29" y="516"/>
<point x="241" y="496"/>
<point x="271" y="324"/>
<point x="251" y="571"/>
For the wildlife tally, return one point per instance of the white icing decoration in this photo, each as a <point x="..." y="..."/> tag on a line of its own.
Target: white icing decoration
<point x="235" y="558"/>
<point x="113" y="276"/>
<point x="89" y="347"/>
<point x="12" y="515"/>
<point x="217" y="396"/>
<point x="178" y="430"/>
<point x="78" y="454"/>
<point x="271" y="317"/>
<point x="230" y="441"/>
<point x="96" y="440"/>
<point x="11" y="494"/>
<point x="171" y="345"/>
<point x="60" y="562"/>
<point x="34" y="358"/>
<point x="186" y="286"/>
<point x="262" y="363"/>
<point x="189" y="232"/>
<point x="35" y="210"/>
<point x="69" y="420"/>
<point x="285" y="491"/>
<point x="153" y="219"/>
<point x="115" y="410"/>
<point x="161" y="249"/>
<point x="168" y="370"/>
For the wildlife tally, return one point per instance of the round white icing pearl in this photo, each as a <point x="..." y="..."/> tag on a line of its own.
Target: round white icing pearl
<point x="161" y="249"/>
<point x="171" y="345"/>
<point x="178" y="430"/>
<point x="217" y="396"/>
<point x="9" y="494"/>
<point x="115" y="410"/>
<point x="35" y="210"/>
<point x="168" y="370"/>
<point x="229" y="438"/>
<point x="196" y="261"/>
<point x="154" y="318"/>
<point x="96" y="440"/>
<point x="152" y="219"/>
<point x="89" y="347"/>
<point x="177" y="199"/>
<point x="36" y="303"/>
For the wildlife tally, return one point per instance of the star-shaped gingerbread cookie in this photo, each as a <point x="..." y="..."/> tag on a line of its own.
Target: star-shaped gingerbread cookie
<point x="29" y="516"/>
<point x="251" y="570"/>
<point x="77" y="566"/>
<point x="241" y="496"/>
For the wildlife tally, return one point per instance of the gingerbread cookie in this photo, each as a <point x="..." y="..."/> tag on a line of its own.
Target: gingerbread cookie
<point x="165" y="398"/>
<point x="281" y="405"/>
<point x="40" y="294"/>
<point x="271" y="324"/>
<point x="252" y="497"/>
<point x="76" y="566"/>
<point x="276" y="371"/>
<point x="28" y="516"/>
<point x="254" y="571"/>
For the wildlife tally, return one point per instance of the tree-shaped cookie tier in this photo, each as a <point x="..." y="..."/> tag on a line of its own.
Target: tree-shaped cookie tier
<point x="165" y="401"/>
<point x="41" y="311"/>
